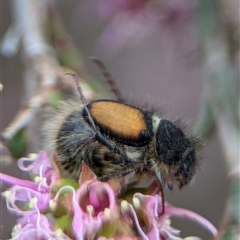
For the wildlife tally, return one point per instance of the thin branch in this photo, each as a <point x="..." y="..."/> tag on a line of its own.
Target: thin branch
<point x="43" y="74"/>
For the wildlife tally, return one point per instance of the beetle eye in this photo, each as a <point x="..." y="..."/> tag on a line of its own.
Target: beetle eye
<point x="188" y="157"/>
<point x="188" y="162"/>
<point x="170" y="185"/>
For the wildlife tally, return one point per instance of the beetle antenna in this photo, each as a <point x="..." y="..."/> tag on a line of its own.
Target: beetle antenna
<point x="83" y="100"/>
<point x="98" y="136"/>
<point x="108" y="77"/>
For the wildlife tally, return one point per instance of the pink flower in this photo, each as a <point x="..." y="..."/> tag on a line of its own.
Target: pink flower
<point x="56" y="208"/>
<point x="93" y="203"/>
<point x="132" y="21"/>
<point x="34" y="225"/>
<point x="159" y="225"/>
<point x="42" y="167"/>
<point x="24" y="191"/>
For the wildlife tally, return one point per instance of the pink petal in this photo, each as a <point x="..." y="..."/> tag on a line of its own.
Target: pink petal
<point x="19" y="182"/>
<point x="180" y="212"/>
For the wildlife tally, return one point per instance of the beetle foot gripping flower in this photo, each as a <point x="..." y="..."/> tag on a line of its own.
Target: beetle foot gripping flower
<point x="51" y="207"/>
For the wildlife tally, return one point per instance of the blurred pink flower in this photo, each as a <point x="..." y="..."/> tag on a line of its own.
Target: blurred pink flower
<point x="132" y="21"/>
<point x="164" y="11"/>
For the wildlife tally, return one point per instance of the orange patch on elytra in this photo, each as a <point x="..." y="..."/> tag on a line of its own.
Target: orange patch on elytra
<point x="119" y="118"/>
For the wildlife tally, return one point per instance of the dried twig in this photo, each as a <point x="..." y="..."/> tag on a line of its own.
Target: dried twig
<point x="43" y="72"/>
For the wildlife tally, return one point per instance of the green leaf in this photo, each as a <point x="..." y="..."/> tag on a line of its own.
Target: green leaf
<point x="65" y="182"/>
<point x="115" y="227"/>
<point x="18" y="144"/>
<point x="65" y="224"/>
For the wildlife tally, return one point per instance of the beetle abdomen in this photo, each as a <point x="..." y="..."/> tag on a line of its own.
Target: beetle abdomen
<point x="122" y="122"/>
